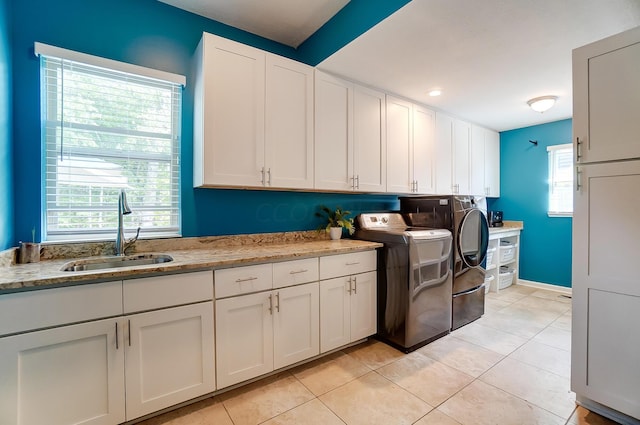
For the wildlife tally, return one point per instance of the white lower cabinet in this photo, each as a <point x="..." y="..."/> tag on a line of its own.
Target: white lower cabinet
<point x="347" y="310"/>
<point x="112" y="370"/>
<point x="261" y="332"/>
<point x="67" y="375"/>
<point x="168" y="357"/>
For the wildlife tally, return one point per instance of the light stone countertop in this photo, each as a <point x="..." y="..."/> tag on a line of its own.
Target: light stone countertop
<point x="188" y="254"/>
<point x="508" y="226"/>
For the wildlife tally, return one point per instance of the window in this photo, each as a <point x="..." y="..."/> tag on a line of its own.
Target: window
<point x="560" y="180"/>
<point x="108" y="126"/>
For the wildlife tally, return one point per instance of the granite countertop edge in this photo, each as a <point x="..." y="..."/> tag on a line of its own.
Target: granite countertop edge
<point x="508" y="226"/>
<point x="48" y="273"/>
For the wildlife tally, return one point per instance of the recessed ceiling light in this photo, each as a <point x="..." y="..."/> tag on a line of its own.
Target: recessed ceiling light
<point x="435" y="92"/>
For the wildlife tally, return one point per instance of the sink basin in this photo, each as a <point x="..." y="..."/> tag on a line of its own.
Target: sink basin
<point x="115" y="262"/>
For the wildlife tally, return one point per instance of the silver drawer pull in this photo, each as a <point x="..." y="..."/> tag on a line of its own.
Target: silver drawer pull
<point x="246" y="279"/>
<point x="353" y="264"/>
<point x="298" y="271"/>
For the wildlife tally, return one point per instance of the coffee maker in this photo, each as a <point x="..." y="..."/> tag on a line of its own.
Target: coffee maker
<point x="495" y="218"/>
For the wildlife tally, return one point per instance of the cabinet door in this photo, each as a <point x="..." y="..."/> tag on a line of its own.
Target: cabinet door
<point x="244" y="338"/>
<point x="335" y="313"/>
<point x="369" y="140"/>
<point x="67" y="375"/>
<point x="461" y="157"/>
<point x="169" y="357"/>
<point x="424" y="124"/>
<point x="233" y="101"/>
<point x="477" y="162"/>
<point x="399" y="141"/>
<point x="444" y="147"/>
<point x="492" y="163"/>
<point x="606" y="94"/>
<point x="606" y="295"/>
<point x="296" y="324"/>
<point x="333" y="133"/>
<point x="363" y="305"/>
<point x="289" y="124"/>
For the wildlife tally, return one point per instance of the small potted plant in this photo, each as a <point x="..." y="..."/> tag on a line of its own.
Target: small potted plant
<point x="336" y="221"/>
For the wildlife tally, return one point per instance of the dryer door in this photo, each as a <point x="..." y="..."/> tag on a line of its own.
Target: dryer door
<point x="473" y="238"/>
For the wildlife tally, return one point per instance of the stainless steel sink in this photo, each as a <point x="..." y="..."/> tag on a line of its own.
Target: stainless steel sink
<point x="115" y="262"/>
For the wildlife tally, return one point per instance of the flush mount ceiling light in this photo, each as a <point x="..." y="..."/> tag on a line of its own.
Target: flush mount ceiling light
<point x="435" y="92"/>
<point x="543" y="103"/>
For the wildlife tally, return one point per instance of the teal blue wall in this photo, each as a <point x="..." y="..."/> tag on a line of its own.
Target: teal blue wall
<point x="153" y="34"/>
<point x="545" y="253"/>
<point x="6" y="148"/>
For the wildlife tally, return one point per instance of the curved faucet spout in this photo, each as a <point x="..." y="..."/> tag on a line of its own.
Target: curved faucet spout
<point x="123" y="209"/>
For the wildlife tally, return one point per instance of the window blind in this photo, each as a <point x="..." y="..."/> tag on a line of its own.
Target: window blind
<point x="105" y="130"/>
<point x="560" y="180"/>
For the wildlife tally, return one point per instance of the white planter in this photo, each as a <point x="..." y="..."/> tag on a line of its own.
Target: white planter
<point x="335" y="233"/>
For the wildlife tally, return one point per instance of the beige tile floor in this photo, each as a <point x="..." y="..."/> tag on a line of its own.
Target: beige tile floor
<point x="511" y="367"/>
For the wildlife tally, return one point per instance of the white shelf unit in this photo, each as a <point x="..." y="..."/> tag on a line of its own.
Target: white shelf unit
<point x="504" y="250"/>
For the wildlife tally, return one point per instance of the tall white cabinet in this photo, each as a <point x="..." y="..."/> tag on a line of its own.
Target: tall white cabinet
<point x="253" y="117"/>
<point x="484" y="162"/>
<point x="606" y="230"/>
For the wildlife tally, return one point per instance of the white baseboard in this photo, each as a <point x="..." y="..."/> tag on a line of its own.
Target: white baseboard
<point x="547" y="286"/>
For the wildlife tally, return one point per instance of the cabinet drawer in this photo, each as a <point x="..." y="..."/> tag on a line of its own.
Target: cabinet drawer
<point x="345" y="264"/>
<point x="24" y="311"/>
<point x="289" y="273"/>
<point x="150" y="293"/>
<point x="243" y="280"/>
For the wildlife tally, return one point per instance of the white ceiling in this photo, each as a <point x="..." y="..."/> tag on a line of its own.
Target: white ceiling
<point x="285" y="21"/>
<point x="489" y="56"/>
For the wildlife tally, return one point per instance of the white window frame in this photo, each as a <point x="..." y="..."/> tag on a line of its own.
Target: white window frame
<point x="135" y="71"/>
<point x="552" y="151"/>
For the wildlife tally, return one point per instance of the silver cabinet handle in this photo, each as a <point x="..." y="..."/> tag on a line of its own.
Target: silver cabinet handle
<point x="278" y="302"/>
<point x="262" y="176"/>
<point x="416" y="186"/>
<point x="358" y="181"/>
<point x="355" y="285"/>
<point x="247" y="279"/>
<point x="271" y="304"/>
<point x="352" y="264"/>
<point x="117" y="345"/>
<point x="269" y="177"/>
<point x="129" y="332"/>
<point x="349" y="282"/>
<point x="578" y="176"/>
<point x="353" y="182"/>
<point x="298" y="271"/>
<point x="578" y="152"/>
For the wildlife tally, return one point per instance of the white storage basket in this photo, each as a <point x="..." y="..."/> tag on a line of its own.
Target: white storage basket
<point x="487" y="282"/>
<point x="507" y="251"/>
<point x="490" y="257"/>
<point x="506" y="277"/>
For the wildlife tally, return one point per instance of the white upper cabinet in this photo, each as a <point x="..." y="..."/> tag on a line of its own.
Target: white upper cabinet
<point x="350" y="139"/>
<point x="461" y="158"/>
<point x="444" y="147"/>
<point x="424" y="125"/>
<point x="492" y="163"/>
<point x="399" y="141"/>
<point x="485" y="162"/>
<point x="410" y="142"/>
<point x="606" y="94"/>
<point x="289" y="124"/>
<point x="236" y="88"/>
<point x="369" y="140"/>
<point x="333" y="133"/>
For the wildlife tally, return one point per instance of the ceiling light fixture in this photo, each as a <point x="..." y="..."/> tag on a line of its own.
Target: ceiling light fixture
<point x="543" y="103"/>
<point x="435" y="92"/>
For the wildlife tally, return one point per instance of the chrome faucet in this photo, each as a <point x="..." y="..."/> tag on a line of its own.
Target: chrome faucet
<point x="123" y="209"/>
